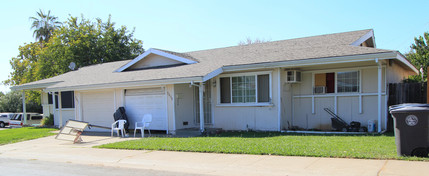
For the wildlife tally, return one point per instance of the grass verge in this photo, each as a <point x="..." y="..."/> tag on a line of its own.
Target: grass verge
<point x="14" y="135"/>
<point x="265" y="143"/>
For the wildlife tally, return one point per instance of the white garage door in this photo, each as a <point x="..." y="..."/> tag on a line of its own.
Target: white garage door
<point x="147" y="101"/>
<point x="98" y="108"/>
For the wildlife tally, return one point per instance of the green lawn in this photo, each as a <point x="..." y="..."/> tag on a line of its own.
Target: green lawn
<point x="8" y="136"/>
<point x="342" y="146"/>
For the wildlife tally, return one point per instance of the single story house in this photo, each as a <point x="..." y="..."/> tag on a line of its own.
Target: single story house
<point x="270" y="86"/>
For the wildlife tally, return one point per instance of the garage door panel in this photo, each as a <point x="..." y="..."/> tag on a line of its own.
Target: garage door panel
<point x="97" y="108"/>
<point x="142" y="102"/>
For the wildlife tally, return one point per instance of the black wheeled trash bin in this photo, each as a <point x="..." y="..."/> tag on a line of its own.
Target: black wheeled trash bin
<point x="411" y="123"/>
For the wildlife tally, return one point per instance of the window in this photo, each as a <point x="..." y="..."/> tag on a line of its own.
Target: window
<point x="348" y="81"/>
<point x="245" y="89"/>
<point x="67" y="99"/>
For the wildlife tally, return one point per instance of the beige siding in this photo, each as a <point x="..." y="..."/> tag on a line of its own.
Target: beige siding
<point x="347" y="104"/>
<point x="396" y="73"/>
<point x="248" y="117"/>
<point x="153" y="61"/>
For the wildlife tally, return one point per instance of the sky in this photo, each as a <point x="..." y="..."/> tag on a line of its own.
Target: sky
<point x="190" y="25"/>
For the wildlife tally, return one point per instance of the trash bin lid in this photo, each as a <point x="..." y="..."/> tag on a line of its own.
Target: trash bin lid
<point x="409" y="107"/>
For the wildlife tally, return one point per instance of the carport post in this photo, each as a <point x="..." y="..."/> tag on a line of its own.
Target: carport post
<point x="60" y="108"/>
<point x="201" y="99"/>
<point x="24" y="108"/>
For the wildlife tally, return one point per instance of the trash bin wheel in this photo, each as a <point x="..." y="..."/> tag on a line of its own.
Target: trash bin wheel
<point x="420" y="152"/>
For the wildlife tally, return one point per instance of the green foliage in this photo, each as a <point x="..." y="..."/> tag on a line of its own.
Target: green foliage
<point x="78" y="40"/>
<point x="12" y="102"/>
<point x="413" y="79"/>
<point x="14" y="135"/>
<point x="273" y="143"/>
<point x="419" y="55"/>
<point x="48" y="120"/>
<point x="44" y="25"/>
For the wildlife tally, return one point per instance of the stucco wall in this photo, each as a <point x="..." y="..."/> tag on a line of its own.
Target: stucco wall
<point x="230" y="117"/>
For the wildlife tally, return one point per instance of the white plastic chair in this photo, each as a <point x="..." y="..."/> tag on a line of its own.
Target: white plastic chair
<point x="145" y="123"/>
<point x="119" y="126"/>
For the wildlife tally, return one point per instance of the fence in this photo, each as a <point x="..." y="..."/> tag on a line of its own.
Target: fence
<point x="405" y="93"/>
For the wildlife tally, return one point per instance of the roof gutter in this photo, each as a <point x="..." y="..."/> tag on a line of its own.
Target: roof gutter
<point x="402" y="58"/>
<point x="307" y="62"/>
<point x="33" y="86"/>
<point x="127" y="84"/>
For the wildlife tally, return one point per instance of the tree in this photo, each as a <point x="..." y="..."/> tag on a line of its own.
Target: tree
<point x="419" y="55"/>
<point x="78" y="40"/>
<point x="249" y="41"/>
<point x="12" y="102"/>
<point x="44" y="26"/>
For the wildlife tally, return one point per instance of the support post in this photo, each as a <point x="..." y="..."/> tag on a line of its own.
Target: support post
<point x="54" y="104"/>
<point x="60" y="109"/>
<point x="201" y="100"/>
<point x="379" y="80"/>
<point x="24" y="108"/>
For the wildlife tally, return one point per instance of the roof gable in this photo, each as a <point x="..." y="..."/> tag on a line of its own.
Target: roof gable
<point x="366" y="40"/>
<point x="155" y="58"/>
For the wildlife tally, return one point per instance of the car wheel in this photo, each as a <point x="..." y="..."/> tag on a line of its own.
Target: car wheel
<point x="2" y="125"/>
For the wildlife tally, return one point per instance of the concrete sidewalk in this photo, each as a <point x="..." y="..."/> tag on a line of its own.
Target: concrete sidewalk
<point x="51" y="150"/>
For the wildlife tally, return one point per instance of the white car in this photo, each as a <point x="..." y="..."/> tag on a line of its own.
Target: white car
<point x="4" y="119"/>
<point x="32" y="119"/>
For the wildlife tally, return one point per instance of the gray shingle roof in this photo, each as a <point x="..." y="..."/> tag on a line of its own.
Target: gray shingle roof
<point x="331" y="45"/>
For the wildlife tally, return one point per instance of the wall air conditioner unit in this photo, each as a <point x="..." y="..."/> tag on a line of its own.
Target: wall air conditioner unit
<point x="293" y="76"/>
<point x="319" y="90"/>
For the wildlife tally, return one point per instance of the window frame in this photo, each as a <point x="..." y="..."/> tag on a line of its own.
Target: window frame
<point x="72" y="101"/>
<point x="358" y="83"/>
<point x="336" y="71"/>
<point x="255" y="74"/>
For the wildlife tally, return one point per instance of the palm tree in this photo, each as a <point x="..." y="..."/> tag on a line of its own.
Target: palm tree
<point x="44" y="25"/>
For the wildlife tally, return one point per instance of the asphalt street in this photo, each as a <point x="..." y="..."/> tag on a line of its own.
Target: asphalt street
<point x="19" y="167"/>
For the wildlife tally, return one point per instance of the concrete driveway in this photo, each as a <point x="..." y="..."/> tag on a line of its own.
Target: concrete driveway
<point x="50" y="150"/>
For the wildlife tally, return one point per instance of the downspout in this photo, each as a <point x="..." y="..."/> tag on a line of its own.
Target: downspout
<point x="24" y="108"/>
<point x="379" y="80"/>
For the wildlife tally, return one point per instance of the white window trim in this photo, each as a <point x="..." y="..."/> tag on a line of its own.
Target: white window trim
<point x="256" y="88"/>
<point x="336" y="82"/>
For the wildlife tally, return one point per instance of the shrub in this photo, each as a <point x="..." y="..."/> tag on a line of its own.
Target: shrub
<point x="48" y="120"/>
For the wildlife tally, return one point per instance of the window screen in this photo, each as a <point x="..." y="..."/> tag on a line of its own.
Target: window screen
<point x="67" y="99"/>
<point x="264" y="88"/>
<point x="225" y="90"/>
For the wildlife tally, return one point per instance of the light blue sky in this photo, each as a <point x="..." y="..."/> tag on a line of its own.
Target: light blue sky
<point x="203" y="24"/>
